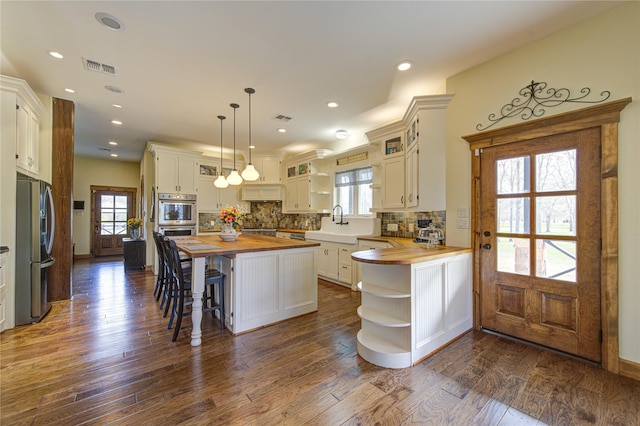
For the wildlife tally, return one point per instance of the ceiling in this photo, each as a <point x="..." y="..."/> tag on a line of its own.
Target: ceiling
<point x="180" y="64"/>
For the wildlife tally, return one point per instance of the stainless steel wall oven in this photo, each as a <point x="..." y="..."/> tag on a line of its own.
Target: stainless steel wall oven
<point x="177" y="210"/>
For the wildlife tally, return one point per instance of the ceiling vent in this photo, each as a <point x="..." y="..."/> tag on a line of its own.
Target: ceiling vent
<point x="281" y="117"/>
<point x="99" y="67"/>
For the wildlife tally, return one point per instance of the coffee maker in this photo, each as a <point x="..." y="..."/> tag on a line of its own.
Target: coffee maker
<point x="428" y="233"/>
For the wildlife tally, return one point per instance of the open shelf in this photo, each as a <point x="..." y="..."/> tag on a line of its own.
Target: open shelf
<point x="381" y="352"/>
<point x="382" y="292"/>
<point x="380" y="318"/>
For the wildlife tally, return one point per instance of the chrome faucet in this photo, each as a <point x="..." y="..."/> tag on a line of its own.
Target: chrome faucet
<point x="333" y="216"/>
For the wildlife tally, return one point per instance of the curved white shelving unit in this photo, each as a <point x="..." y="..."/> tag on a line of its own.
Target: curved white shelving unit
<point x="380" y="318"/>
<point x="381" y="352"/>
<point x="408" y="311"/>
<point x="380" y="291"/>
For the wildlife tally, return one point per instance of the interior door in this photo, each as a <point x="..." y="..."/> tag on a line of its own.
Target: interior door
<point x="111" y="209"/>
<point x="540" y="241"/>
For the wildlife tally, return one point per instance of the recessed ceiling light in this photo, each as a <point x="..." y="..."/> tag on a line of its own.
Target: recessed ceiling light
<point x="114" y="89"/>
<point x="69" y="90"/>
<point x="116" y="122"/>
<point x="342" y="134"/>
<point x="332" y="104"/>
<point x="116" y="106"/>
<point x="113" y="154"/>
<point x="56" y="55"/>
<point x="114" y="143"/>
<point x="281" y="130"/>
<point x="109" y="21"/>
<point x="404" y="65"/>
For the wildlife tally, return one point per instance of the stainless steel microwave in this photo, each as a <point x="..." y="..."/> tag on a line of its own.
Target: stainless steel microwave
<point x="177" y="209"/>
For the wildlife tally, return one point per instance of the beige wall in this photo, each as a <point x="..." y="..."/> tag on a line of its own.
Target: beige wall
<point x="602" y="53"/>
<point x="92" y="171"/>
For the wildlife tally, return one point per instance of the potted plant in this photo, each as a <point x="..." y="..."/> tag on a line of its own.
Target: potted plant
<point x="134" y="224"/>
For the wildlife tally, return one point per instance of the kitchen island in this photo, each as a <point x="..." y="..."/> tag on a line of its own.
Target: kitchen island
<point x="415" y="300"/>
<point x="267" y="279"/>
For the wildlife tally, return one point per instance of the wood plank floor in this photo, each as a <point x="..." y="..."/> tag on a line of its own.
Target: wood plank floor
<point x="106" y="357"/>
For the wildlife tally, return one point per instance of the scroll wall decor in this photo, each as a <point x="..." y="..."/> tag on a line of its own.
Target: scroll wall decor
<point x="535" y="98"/>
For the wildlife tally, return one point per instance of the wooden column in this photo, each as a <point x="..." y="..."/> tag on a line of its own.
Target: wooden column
<point x="62" y="185"/>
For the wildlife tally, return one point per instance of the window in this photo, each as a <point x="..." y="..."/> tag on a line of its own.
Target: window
<point x="353" y="191"/>
<point x="113" y="214"/>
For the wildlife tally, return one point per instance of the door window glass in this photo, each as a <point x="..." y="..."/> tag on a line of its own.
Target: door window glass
<point x="514" y="255"/>
<point x="113" y="214"/>
<point x="556" y="215"/>
<point x="556" y="171"/>
<point x="556" y="259"/>
<point x="513" y="215"/>
<point x="512" y="175"/>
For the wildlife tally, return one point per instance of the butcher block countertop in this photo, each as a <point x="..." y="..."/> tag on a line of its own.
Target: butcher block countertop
<point x="212" y="245"/>
<point x="292" y="230"/>
<point x="404" y="252"/>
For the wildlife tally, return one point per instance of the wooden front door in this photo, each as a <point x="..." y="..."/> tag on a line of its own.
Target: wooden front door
<point x="111" y="207"/>
<point x="540" y="242"/>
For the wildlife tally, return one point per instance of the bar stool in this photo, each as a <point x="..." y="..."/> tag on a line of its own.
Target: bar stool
<point x="182" y="286"/>
<point x="161" y="281"/>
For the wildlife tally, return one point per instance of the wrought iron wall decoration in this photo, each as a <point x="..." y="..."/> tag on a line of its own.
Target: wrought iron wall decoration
<point x="534" y="100"/>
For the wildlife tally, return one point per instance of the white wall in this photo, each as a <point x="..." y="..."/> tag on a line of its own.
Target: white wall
<point x="602" y="53"/>
<point x="91" y="171"/>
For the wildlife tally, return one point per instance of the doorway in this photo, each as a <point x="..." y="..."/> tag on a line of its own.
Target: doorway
<point x="540" y="252"/>
<point x="602" y="119"/>
<point x="110" y="209"/>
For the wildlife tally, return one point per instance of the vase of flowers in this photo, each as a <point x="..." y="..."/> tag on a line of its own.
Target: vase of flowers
<point x="229" y="217"/>
<point x="134" y="224"/>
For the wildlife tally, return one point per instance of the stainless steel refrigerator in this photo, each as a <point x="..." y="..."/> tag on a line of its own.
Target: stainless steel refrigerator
<point x="35" y="225"/>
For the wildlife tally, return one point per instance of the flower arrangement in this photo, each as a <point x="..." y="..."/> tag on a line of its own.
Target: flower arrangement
<point x="134" y="223"/>
<point x="231" y="215"/>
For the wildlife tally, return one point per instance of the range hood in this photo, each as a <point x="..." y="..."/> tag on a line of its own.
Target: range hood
<point x="261" y="192"/>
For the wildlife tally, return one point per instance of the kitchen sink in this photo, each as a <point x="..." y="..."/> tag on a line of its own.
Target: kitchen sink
<point x="348" y="234"/>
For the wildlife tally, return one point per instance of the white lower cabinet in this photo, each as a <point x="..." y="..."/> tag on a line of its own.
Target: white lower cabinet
<point x="334" y="262"/>
<point x="266" y="287"/>
<point x="410" y="311"/>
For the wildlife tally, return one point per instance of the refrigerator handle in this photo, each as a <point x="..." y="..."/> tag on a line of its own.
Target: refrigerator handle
<point x="49" y="262"/>
<point x="49" y="197"/>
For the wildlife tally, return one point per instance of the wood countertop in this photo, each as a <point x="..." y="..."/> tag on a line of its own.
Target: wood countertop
<point x="292" y="230"/>
<point x="404" y="252"/>
<point x="212" y="245"/>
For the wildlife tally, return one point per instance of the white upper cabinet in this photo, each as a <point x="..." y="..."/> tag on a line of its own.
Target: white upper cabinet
<point x="307" y="184"/>
<point x="23" y="122"/>
<point x="413" y="172"/>
<point x="269" y="169"/>
<point x="176" y="171"/>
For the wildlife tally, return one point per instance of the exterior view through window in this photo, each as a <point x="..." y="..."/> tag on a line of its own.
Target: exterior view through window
<point x="554" y="209"/>
<point x="113" y="214"/>
<point x="353" y="191"/>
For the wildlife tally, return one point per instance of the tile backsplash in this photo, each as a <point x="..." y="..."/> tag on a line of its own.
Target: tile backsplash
<point x="403" y="219"/>
<point x="269" y="214"/>
<point x="266" y="214"/>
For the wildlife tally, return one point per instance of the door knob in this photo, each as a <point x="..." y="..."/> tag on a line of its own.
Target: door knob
<point x="486" y="246"/>
<point x="487" y="233"/>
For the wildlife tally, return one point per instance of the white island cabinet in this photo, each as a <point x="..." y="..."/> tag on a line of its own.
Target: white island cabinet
<point x="413" y="307"/>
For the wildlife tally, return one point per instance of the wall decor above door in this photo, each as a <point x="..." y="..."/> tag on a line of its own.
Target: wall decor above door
<point x="535" y="98"/>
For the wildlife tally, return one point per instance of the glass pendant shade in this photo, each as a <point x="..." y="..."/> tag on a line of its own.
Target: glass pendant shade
<point x="234" y="178"/>
<point x="250" y="173"/>
<point x="221" y="182"/>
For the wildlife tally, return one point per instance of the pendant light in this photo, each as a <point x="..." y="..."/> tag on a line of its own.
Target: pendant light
<point x="221" y="182"/>
<point x="234" y="178"/>
<point x="250" y="173"/>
